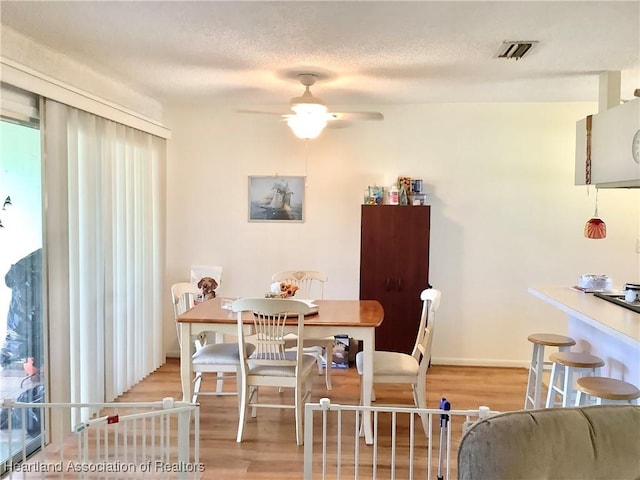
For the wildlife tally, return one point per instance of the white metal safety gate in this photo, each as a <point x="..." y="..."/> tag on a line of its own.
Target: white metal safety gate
<point x="155" y="440"/>
<point x="334" y="447"/>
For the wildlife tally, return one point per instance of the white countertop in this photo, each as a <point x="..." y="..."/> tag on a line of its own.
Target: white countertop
<point x="612" y="319"/>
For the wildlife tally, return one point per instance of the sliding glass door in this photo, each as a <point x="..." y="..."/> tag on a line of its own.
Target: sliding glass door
<point x="97" y="319"/>
<point x="22" y="352"/>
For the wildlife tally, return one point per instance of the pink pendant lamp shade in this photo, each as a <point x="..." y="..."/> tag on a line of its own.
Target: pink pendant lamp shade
<point x="595" y="228"/>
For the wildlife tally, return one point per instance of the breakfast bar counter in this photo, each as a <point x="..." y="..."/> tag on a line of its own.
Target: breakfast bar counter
<point x="602" y="328"/>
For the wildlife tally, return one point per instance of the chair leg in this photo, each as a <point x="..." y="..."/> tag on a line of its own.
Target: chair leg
<point x="220" y="382"/>
<point x="318" y="355"/>
<point x="328" y="367"/>
<point x="551" y="393"/>
<point x="254" y="392"/>
<point x="420" y="394"/>
<point x="567" y="385"/>
<point x="244" y="398"/>
<point x="326" y="360"/>
<point x="308" y="389"/>
<point x="537" y="368"/>
<point x="361" y="429"/>
<point x="196" y="387"/>
<point x="327" y="377"/>
<point x="298" y="412"/>
<point x="239" y="388"/>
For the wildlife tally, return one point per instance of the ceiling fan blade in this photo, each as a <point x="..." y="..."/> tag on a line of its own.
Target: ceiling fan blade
<point x="339" y="124"/>
<point x="260" y="112"/>
<point x="354" y="116"/>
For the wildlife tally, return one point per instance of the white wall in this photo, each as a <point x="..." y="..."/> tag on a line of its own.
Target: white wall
<point x="26" y="52"/>
<point x="505" y="212"/>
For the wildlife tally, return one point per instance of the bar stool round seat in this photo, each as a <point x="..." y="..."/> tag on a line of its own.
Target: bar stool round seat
<point x="605" y="388"/>
<point x="551" y="340"/>
<point x="564" y="366"/>
<point x="538" y="366"/>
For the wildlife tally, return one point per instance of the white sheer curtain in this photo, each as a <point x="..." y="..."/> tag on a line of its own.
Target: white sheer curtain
<point x="104" y="205"/>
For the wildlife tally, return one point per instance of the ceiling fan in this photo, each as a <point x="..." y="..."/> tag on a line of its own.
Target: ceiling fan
<point x="310" y="114"/>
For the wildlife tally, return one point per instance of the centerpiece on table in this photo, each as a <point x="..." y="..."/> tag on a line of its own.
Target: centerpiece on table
<point x="282" y="290"/>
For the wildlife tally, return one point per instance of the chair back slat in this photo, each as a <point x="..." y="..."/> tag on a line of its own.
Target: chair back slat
<point x="185" y="302"/>
<point x="269" y="322"/>
<point x="422" y="349"/>
<point x="183" y="295"/>
<point x="269" y="338"/>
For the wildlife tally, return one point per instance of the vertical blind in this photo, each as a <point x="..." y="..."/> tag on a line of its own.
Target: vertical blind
<point x="104" y="212"/>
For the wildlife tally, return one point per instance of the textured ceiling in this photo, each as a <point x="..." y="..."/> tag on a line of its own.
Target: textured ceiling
<point x="247" y="53"/>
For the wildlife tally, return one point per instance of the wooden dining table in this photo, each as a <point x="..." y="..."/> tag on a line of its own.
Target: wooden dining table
<point x="356" y="318"/>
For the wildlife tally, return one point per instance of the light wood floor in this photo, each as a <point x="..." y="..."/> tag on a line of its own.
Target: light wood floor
<point x="269" y="450"/>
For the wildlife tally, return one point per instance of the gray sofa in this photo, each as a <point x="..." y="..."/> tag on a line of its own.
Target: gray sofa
<point x="582" y="443"/>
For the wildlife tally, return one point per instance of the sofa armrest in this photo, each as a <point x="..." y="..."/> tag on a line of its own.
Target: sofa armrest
<point x="595" y="442"/>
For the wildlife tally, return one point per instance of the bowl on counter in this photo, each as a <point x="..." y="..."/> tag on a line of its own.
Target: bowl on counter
<point x="595" y="283"/>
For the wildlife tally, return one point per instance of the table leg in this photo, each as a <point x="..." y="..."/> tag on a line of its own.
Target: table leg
<point x="185" y="361"/>
<point x="368" y="347"/>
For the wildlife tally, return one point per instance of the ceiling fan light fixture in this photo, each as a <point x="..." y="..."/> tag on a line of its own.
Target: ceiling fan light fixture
<point x="310" y="114"/>
<point x="307" y="125"/>
<point x="314" y="109"/>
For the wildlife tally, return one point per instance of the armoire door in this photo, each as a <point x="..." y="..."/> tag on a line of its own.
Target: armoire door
<point x="394" y="269"/>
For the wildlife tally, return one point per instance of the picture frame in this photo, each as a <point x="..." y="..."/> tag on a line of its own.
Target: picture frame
<point x="276" y="198"/>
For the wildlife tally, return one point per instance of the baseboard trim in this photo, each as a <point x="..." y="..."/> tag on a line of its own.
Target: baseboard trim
<point x="479" y="362"/>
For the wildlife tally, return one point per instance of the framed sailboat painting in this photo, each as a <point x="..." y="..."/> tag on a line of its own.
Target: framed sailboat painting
<point x="276" y="199"/>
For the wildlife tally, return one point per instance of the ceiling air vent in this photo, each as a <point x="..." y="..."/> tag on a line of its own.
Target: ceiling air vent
<point x="515" y="50"/>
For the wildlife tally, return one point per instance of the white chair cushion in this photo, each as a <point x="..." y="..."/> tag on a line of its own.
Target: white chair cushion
<point x="308" y="362"/>
<point x="290" y="340"/>
<point x="390" y="363"/>
<point x="220" y="354"/>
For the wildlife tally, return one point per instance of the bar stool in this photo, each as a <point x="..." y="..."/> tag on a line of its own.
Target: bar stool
<point x="604" y="388"/>
<point x="537" y="365"/>
<point x="564" y="366"/>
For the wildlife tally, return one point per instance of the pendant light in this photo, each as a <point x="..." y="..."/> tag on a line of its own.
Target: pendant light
<point x="595" y="228"/>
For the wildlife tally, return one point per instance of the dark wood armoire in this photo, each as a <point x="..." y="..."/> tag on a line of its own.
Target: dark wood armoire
<point x="394" y="269"/>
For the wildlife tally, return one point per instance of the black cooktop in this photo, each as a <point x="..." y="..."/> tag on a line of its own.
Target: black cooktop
<point x="618" y="299"/>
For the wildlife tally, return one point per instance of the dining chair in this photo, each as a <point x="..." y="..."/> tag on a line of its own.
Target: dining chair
<point x="402" y="368"/>
<point x="271" y="365"/>
<point x="220" y="358"/>
<point x="183" y="296"/>
<point x="310" y="285"/>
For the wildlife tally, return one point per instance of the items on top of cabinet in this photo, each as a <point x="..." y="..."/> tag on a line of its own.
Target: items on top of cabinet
<point x="373" y="195"/>
<point x="415" y="192"/>
<point x="404" y="183"/>
<point x="404" y="198"/>
<point x="417" y="198"/>
<point x="408" y="191"/>
<point x="391" y="195"/>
